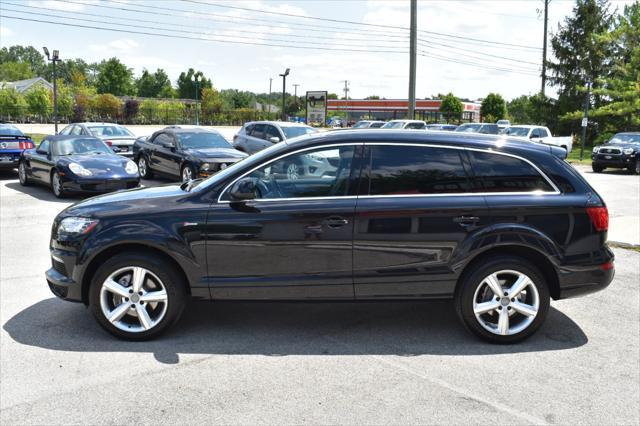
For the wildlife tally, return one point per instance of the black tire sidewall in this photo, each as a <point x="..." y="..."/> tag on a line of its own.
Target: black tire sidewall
<point x="147" y="172"/>
<point x="61" y="194"/>
<point x="170" y="277"/>
<point x="470" y="281"/>
<point x="26" y="178"/>
<point x="190" y="167"/>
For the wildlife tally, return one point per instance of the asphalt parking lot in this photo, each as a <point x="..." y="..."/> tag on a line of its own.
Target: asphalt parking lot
<point x="370" y="363"/>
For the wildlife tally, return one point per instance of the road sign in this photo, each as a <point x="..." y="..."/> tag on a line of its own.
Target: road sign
<point x="585" y="121"/>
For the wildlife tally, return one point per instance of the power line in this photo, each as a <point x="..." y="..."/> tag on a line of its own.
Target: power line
<point x="491" y="56"/>
<point x="358" y="23"/>
<point x="474" y="64"/>
<point x="195" y="32"/>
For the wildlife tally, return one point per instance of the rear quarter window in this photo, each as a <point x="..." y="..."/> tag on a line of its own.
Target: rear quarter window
<point x="503" y="173"/>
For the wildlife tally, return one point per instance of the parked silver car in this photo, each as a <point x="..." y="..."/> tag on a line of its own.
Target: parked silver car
<point x="258" y="135"/>
<point x="118" y="137"/>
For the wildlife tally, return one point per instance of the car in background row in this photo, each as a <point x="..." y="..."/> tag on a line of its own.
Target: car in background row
<point x="184" y="153"/>
<point x="368" y="124"/>
<point x="539" y="134"/>
<point x="621" y="152"/>
<point x="503" y="124"/>
<point x="12" y="143"/>
<point x="258" y="135"/>
<point x="404" y="124"/>
<point x="69" y="163"/>
<point x="118" y="137"/>
<point x="484" y="128"/>
<point x="443" y="127"/>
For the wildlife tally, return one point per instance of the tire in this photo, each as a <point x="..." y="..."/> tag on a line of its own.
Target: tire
<point x="22" y="174"/>
<point x="56" y="185"/>
<point x="156" y="275"/>
<point x="635" y="168"/>
<point x="143" y="168"/>
<point x="475" y="294"/>
<point x="187" y="173"/>
<point x="597" y="169"/>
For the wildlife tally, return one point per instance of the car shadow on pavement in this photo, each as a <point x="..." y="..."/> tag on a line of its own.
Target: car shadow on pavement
<point x="280" y="329"/>
<point x="43" y="193"/>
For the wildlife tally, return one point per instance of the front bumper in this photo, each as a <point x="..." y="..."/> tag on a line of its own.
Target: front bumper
<point x="59" y="277"/>
<point x="619" y="161"/>
<point x="99" y="185"/>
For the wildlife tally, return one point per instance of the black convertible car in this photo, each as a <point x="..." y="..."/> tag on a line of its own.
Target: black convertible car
<point x="185" y="153"/>
<point x="76" y="164"/>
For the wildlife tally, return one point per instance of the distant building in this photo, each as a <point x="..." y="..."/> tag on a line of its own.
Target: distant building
<point x="388" y="109"/>
<point x="23" y="86"/>
<point x="264" y="107"/>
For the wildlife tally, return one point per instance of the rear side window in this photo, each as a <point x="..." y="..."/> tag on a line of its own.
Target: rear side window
<point x="258" y="131"/>
<point x="410" y="170"/>
<point x="503" y="173"/>
<point x="415" y="126"/>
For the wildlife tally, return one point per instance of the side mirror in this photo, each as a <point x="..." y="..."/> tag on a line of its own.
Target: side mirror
<point x="41" y="152"/>
<point x="533" y="137"/>
<point x="274" y="139"/>
<point x="243" y="190"/>
<point x="169" y="145"/>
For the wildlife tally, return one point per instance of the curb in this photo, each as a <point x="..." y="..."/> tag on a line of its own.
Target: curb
<point x="627" y="246"/>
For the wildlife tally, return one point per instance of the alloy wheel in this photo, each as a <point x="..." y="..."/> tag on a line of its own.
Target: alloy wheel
<point x="22" y="173"/>
<point x="142" y="167"/>
<point x="506" y="302"/>
<point x="133" y="299"/>
<point x="292" y="171"/>
<point x="56" y="185"/>
<point x="186" y="174"/>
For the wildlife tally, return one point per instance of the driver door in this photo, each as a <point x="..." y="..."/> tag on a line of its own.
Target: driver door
<point x="294" y="240"/>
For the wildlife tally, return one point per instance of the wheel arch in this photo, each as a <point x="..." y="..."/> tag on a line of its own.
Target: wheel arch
<point x="545" y="266"/>
<point x="111" y="251"/>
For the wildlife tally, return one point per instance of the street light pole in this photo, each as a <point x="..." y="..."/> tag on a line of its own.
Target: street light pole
<point x="413" y="48"/>
<point x="269" y="100"/>
<point x="53" y="59"/>
<point x="197" y="81"/>
<point x="284" y="86"/>
<point x="585" y="120"/>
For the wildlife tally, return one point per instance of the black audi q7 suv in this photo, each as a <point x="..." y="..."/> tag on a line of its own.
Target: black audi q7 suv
<point x="499" y="225"/>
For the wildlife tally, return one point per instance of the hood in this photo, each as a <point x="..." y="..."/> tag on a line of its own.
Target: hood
<point x="203" y="153"/>
<point x="99" y="164"/>
<point x="620" y="145"/>
<point x="139" y="200"/>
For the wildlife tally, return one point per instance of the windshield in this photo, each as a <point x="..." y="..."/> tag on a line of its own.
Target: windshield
<point x="376" y="125"/>
<point x="468" y="127"/>
<point x="394" y="125"/>
<point x="502" y="122"/>
<point x="109" y="130"/>
<point x="202" y="140"/>
<point x="7" y="130"/>
<point x="517" y="131"/>
<point x="361" y="124"/>
<point x="626" y="138"/>
<point x="79" y="146"/>
<point x="489" y="129"/>
<point x="291" y="132"/>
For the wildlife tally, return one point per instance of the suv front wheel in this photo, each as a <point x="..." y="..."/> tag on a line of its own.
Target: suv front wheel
<point x="503" y="300"/>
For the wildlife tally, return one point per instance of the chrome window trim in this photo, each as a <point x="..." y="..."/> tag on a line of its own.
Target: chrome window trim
<point x="556" y="191"/>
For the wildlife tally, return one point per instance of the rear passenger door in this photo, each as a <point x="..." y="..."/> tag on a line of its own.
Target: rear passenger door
<point x="416" y="205"/>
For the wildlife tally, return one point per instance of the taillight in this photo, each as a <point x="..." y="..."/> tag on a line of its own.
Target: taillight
<point x="110" y="143"/>
<point x="26" y="145"/>
<point x="599" y="217"/>
<point x="606" y="266"/>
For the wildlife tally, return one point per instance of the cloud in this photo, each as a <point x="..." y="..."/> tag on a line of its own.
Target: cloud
<point x="6" y="31"/>
<point x="118" y="46"/>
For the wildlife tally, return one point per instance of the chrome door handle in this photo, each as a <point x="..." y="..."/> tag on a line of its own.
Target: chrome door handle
<point x="336" y="222"/>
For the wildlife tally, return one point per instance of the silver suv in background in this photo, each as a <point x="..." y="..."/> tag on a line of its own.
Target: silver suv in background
<point x="118" y="137"/>
<point x="258" y="135"/>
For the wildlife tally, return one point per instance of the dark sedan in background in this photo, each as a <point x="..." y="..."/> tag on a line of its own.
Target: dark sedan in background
<point x="184" y="153"/>
<point x="118" y="137"/>
<point x="12" y="143"/>
<point x="621" y="152"/>
<point x="76" y="164"/>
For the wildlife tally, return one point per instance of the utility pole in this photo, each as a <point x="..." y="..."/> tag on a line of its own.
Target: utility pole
<point x="585" y="120"/>
<point x="295" y="90"/>
<point x="346" y="97"/>
<point x="544" y="47"/>
<point x="413" y="48"/>
<point x="269" y="99"/>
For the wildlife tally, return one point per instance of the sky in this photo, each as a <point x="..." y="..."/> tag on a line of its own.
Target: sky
<point x="470" y="48"/>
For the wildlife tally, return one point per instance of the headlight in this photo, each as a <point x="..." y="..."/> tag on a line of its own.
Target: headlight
<point x="595" y="149"/>
<point x="79" y="170"/>
<point x="131" y="167"/>
<point x="628" y="151"/>
<point x="205" y="167"/>
<point x="76" y="225"/>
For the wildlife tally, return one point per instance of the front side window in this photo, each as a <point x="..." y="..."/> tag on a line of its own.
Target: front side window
<point x="44" y="146"/>
<point x="323" y="172"/>
<point x="77" y="131"/>
<point x="535" y="133"/>
<point x="109" y="130"/>
<point x="543" y="132"/>
<point x="414" y="170"/>
<point x="67" y="130"/>
<point x="271" y="132"/>
<point x="415" y="126"/>
<point x="291" y="132"/>
<point x="162" y="138"/>
<point x="503" y="173"/>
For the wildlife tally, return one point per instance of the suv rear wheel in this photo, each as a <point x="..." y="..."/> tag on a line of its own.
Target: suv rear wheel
<point x="503" y="300"/>
<point x="137" y="296"/>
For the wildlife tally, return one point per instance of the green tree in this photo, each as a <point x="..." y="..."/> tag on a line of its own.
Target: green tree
<point x="187" y="87"/>
<point x="29" y="55"/>
<point x="581" y="56"/>
<point x="12" y="103"/>
<point x="493" y="108"/>
<point x="12" y="71"/>
<point x="115" y="78"/>
<point x="154" y="85"/>
<point x="518" y="110"/>
<point x="212" y="102"/>
<point x="107" y="106"/>
<point x="451" y="108"/>
<point x="373" y="97"/>
<point x="38" y="100"/>
<point x="65" y="99"/>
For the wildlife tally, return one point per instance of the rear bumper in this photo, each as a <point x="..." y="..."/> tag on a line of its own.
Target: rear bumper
<point x="585" y="280"/>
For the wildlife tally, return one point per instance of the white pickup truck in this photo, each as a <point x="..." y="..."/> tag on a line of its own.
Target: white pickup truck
<point x="540" y="134"/>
